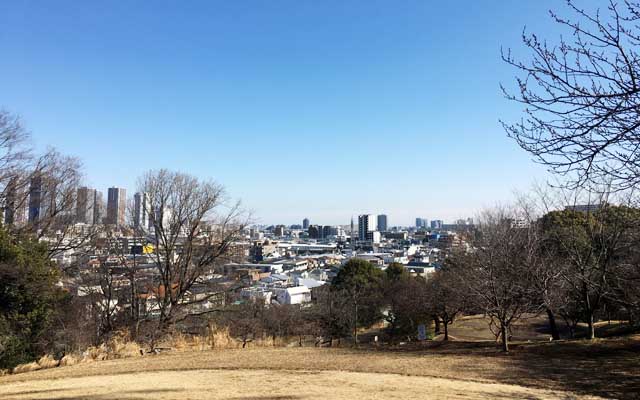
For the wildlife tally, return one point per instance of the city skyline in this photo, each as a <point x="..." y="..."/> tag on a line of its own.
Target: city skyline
<point x="365" y="87"/>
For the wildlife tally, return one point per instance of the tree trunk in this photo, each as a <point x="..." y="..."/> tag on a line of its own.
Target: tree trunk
<point x="592" y="329"/>
<point x="552" y="325"/>
<point x="355" y="326"/>
<point x="446" y="329"/>
<point x="436" y="321"/>
<point x="505" y="337"/>
<point x="590" y="311"/>
<point x="572" y="333"/>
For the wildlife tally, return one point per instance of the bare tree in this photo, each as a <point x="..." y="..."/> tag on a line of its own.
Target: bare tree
<point x="332" y="312"/>
<point x="192" y="231"/>
<point x="38" y="193"/>
<point x="15" y="154"/>
<point x="52" y="193"/>
<point x="246" y="320"/>
<point x="497" y="271"/>
<point x="582" y="96"/>
<point x="590" y="250"/>
<point x="447" y="297"/>
<point x="283" y="321"/>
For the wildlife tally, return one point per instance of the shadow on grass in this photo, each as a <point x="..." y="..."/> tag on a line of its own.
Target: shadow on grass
<point x="126" y="394"/>
<point x="267" y="398"/>
<point x="607" y="368"/>
<point x="145" y="395"/>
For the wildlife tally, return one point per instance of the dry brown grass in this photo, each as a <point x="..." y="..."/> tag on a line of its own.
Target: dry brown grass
<point x="116" y="348"/>
<point x="28" y="367"/>
<point x="69" y="360"/>
<point x="221" y="338"/>
<point x="606" y="368"/>
<point x="215" y="339"/>
<point x="44" y="362"/>
<point x="267" y="384"/>
<point x="47" y="361"/>
<point x="121" y="347"/>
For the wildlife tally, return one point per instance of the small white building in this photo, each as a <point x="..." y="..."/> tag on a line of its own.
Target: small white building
<point x="294" y="295"/>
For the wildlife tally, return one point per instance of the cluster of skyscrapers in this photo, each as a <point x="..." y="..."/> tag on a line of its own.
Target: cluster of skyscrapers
<point x="90" y="208"/>
<point x="369" y="228"/>
<point x="423" y="223"/>
<point x="41" y="199"/>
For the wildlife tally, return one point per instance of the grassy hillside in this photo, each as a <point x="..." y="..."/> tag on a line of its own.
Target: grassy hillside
<point x="605" y="368"/>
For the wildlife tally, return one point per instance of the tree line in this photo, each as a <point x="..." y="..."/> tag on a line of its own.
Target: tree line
<point x="571" y="266"/>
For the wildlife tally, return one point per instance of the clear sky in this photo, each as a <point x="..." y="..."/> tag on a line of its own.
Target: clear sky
<point x="319" y="109"/>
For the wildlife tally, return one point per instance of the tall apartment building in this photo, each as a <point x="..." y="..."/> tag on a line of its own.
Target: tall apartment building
<point x="366" y="224"/>
<point x="37" y="199"/>
<point x="85" y="205"/>
<point x="15" y="202"/>
<point x="116" y="206"/>
<point x="98" y="208"/>
<point x="315" y="231"/>
<point x="141" y="211"/>
<point x="382" y="222"/>
<point x="305" y="223"/>
<point x="279" y="230"/>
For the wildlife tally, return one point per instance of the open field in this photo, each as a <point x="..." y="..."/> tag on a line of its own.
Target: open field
<point x="266" y="384"/>
<point x="458" y="370"/>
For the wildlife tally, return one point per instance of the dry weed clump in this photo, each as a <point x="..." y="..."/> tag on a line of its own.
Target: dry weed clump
<point x="117" y="347"/>
<point x="213" y="340"/>
<point x="177" y="341"/>
<point x="95" y="353"/>
<point x="69" y="360"/>
<point x="218" y="338"/>
<point x="28" y="367"/>
<point x="221" y="338"/>
<point x="47" y="361"/>
<point x="121" y="347"/>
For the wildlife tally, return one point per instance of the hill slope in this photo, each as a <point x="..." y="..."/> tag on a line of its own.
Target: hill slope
<point x="451" y="370"/>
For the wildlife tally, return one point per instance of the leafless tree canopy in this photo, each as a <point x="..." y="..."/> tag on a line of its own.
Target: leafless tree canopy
<point x="14" y="151"/>
<point x="498" y="272"/>
<point x="582" y="97"/>
<point x="193" y="228"/>
<point x="13" y="142"/>
<point x="38" y="192"/>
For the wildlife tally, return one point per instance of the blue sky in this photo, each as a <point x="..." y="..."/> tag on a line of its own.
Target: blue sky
<point x="319" y="109"/>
